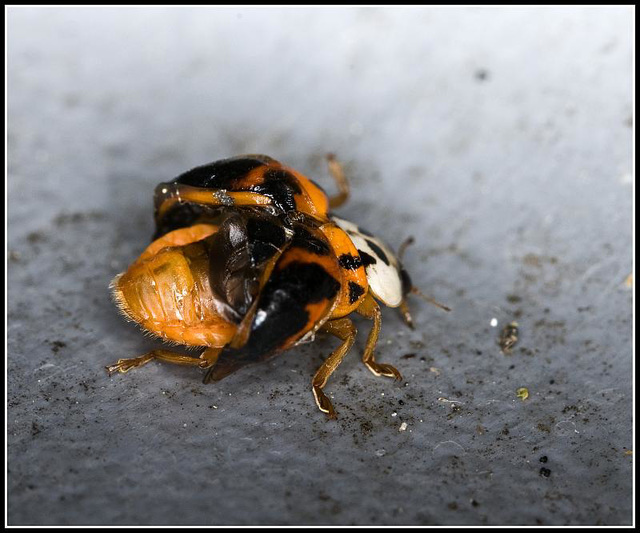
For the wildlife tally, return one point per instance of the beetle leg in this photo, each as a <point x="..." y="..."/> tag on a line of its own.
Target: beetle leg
<point x="344" y="329"/>
<point x="406" y="314"/>
<point x="335" y="169"/>
<point x="167" y="194"/>
<point x="207" y="359"/>
<point x="371" y="310"/>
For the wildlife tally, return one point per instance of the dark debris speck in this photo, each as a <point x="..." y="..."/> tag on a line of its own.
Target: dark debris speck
<point x="57" y="345"/>
<point x="481" y="74"/>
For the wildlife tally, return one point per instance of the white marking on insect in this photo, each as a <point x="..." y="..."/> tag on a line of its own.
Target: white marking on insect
<point x="383" y="276"/>
<point x="260" y="316"/>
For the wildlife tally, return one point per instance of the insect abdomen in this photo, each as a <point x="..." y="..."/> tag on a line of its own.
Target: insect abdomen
<point x="169" y="295"/>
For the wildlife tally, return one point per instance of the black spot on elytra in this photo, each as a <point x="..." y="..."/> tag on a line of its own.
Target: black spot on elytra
<point x="280" y="193"/>
<point x="350" y="262"/>
<point x="367" y="259"/>
<point x="219" y="174"/>
<point x="355" y="291"/>
<point x="282" y="308"/>
<point x="379" y="251"/>
<point x="280" y="186"/>
<point x="307" y="241"/>
<point x="266" y="237"/>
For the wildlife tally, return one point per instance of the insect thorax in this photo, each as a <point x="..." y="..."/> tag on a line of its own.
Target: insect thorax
<point x="383" y="269"/>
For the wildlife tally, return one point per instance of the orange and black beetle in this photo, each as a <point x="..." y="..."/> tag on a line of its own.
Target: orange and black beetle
<point x="247" y="262"/>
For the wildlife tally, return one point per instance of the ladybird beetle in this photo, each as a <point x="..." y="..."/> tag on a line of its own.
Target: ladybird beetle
<point x="247" y="261"/>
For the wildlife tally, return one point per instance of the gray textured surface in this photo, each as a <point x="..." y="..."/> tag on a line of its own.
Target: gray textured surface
<point x="500" y="139"/>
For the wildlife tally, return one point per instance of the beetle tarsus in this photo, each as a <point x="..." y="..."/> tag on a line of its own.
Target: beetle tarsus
<point x="384" y="369"/>
<point x="207" y="359"/>
<point x="371" y="310"/>
<point x="124" y="365"/>
<point x="344" y="329"/>
<point x="324" y="404"/>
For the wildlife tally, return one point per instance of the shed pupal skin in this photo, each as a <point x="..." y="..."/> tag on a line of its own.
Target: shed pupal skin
<point x="167" y="292"/>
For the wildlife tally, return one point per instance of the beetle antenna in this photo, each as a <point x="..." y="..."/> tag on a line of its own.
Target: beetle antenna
<point x="418" y="292"/>
<point x="405" y="244"/>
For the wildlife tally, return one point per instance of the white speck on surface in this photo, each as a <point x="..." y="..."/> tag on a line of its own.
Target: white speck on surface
<point x="381" y="452"/>
<point x="394" y="414"/>
<point x="403" y="427"/>
<point x="494" y="322"/>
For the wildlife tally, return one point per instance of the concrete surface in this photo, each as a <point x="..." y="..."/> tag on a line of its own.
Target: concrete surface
<point x="499" y="138"/>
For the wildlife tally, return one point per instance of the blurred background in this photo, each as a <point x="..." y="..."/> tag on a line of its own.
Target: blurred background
<point x="500" y="138"/>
